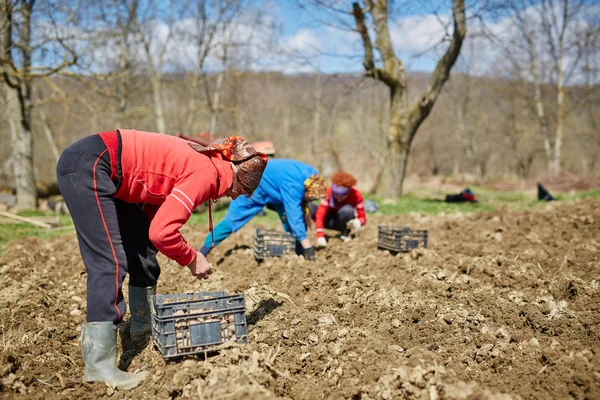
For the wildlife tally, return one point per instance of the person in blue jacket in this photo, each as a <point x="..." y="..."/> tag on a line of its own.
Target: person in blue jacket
<point x="287" y="186"/>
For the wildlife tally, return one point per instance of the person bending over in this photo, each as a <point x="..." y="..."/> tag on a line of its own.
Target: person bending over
<point x="129" y="193"/>
<point x="287" y="187"/>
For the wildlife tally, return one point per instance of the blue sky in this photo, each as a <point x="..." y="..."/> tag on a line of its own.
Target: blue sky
<point x="309" y="45"/>
<point x="417" y="26"/>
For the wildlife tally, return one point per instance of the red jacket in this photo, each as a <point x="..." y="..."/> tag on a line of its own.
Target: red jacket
<point x="354" y="198"/>
<point x="171" y="179"/>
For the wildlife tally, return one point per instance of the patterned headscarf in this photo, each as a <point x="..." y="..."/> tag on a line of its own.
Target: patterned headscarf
<point x="315" y="188"/>
<point x="250" y="163"/>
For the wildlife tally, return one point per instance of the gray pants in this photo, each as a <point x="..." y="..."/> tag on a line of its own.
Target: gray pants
<point x="112" y="234"/>
<point x="335" y="220"/>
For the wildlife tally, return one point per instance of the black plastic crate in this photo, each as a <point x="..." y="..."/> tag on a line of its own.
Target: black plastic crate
<point x="273" y="243"/>
<point x="194" y="323"/>
<point x="400" y="238"/>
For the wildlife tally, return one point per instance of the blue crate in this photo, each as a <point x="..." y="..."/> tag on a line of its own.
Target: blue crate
<point x="194" y="323"/>
<point x="269" y="243"/>
<point x="401" y="238"/>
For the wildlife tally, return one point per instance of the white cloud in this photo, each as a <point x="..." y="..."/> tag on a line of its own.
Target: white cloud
<point x="417" y="34"/>
<point x="305" y="42"/>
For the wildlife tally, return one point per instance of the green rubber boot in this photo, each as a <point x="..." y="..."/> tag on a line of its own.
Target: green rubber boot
<point x="99" y="349"/>
<point x="139" y="307"/>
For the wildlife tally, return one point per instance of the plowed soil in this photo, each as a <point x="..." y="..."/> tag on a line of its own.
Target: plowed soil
<point x="501" y="305"/>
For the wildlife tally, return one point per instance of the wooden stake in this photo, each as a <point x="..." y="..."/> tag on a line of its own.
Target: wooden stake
<point x="24" y="219"/>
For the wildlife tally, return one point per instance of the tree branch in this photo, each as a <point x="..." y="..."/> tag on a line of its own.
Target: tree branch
<point x="361" y="27"/>
<point x="422" y="107"/>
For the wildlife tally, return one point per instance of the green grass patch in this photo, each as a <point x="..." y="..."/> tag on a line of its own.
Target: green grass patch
<point x="593" y="194"/>
<point x="432" y="201"/>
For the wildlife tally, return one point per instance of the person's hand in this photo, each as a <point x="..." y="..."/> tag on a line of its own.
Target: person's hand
<point x="321" y="242"/>
<point x="309" y="253"/>
<point x="199" y="267"/>
<point x="354" y="224"/>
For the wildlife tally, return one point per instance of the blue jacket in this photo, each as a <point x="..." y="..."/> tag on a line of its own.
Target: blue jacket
<point x="282" y="183"/>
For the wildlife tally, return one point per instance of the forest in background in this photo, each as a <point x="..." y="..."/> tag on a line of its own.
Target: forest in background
<point x="494" y="135"/>
<point x="529" y="108"/>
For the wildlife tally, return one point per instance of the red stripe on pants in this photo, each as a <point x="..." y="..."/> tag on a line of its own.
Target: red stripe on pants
<point x="112" y="247"/>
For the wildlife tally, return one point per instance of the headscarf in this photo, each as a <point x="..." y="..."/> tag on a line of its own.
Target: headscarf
<point x="250" y="163"/>
<point x="314" y="189"/>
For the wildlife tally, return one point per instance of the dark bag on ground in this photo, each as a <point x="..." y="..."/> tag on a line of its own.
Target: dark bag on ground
<point x="465" y="196"/>
<point x="543" y="194"/>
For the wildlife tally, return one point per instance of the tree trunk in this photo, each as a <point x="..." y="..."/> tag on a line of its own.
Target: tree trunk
<point x="392" y="182"/>
<point x="49" y="135"/>
<point x="330" y="135"/>
<point x="123" y="86"/>
<point x="216" y="103"/>
<point x="158" y="103"/>
<point x="398" y="142"/>
<point x="22" y="148"/>
<point x="316" y="124"/>
<point x="404" y="121"/>
<point x="194" y="88"/>
<point x="555" y="165"/>
<point x="17" y="91"/>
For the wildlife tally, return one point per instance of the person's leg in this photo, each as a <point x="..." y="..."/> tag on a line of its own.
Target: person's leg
<point x="83" y="174"/>
<point x="338" y="221"/>
<point x="143" y="266"/>
<point x="313" y="210"/>
<point x="134" y="226"/>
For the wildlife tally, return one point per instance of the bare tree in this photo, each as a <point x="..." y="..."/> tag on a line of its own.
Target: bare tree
<point x="214" y="101"/>
<point x="316" y="128"/>
<point x="209" y="20"/>
<point x="548" y="32"/>
<point x="22" y="23"/>
<point x="148" y="20"/>
<point x="236" y="49"/>
<point x="405" y="118"/>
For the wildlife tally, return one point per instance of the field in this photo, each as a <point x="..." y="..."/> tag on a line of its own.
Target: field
<point x="503" y="304"/>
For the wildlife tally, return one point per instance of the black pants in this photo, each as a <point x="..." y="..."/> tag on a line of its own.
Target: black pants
<point x="335" y="220"/>
<point x="112" y="234"/>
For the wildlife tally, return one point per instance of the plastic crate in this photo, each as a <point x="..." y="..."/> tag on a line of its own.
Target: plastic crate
<point x="273" y="243"/>
<point x="400" y="238"/>
<point x="194" y="323"/>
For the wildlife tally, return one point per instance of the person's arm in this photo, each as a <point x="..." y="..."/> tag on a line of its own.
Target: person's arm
<point x="165" y="228"/>
<point x="291" y="196"/>
<point x="320" y="217"/>
<point x="360" y="208"/>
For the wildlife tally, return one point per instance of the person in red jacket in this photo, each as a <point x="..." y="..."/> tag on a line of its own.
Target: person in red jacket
<point x="129" y="193"/>
<point x="343" y="209"/>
